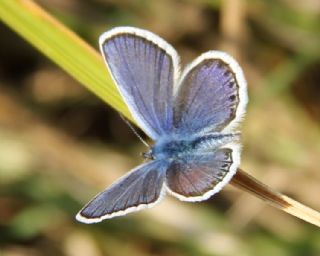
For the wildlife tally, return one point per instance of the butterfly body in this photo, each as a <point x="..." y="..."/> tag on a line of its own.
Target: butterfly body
<point x="169" y="149"/>
<point x="191" y="116"/>
<point x="173" y="148"/>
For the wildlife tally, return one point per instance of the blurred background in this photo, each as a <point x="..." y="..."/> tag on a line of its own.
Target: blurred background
<point x="60" y="144"/>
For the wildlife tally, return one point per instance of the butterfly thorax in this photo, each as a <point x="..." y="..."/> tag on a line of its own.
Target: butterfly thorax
<point x="174" y="148"/>
<point x="170" y="149"/>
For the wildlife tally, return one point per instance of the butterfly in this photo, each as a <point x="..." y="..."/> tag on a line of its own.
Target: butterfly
<point x="191" y="116"/>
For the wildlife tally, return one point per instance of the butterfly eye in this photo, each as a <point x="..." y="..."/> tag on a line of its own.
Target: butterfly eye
<point x="148" y="155"/>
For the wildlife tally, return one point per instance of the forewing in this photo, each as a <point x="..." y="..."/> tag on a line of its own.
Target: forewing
<point x="212" y="95"/>
<point x="141" y="188"/>
<point x="144" y="68"/>
<point x="198" y="177"/>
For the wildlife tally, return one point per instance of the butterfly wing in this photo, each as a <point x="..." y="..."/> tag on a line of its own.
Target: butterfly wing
<point x="139" y="189"/>
<point x="211" y="95"/>
<point x="197" y="177"/>
<point x="144" y="68"/>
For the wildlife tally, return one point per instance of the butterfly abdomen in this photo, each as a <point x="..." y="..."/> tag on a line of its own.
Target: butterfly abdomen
<point x="214" y="140"/>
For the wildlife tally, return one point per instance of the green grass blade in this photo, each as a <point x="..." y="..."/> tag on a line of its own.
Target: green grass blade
<point x="63" y="47"/>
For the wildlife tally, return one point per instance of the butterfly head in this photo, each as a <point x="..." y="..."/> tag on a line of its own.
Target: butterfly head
<point x="148" y="155"/>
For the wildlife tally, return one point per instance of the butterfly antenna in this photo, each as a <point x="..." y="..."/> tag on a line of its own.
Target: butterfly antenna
<point x="134" y="130"/>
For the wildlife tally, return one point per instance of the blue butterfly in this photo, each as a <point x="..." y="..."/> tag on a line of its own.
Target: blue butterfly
<point x="191" y="116"/>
